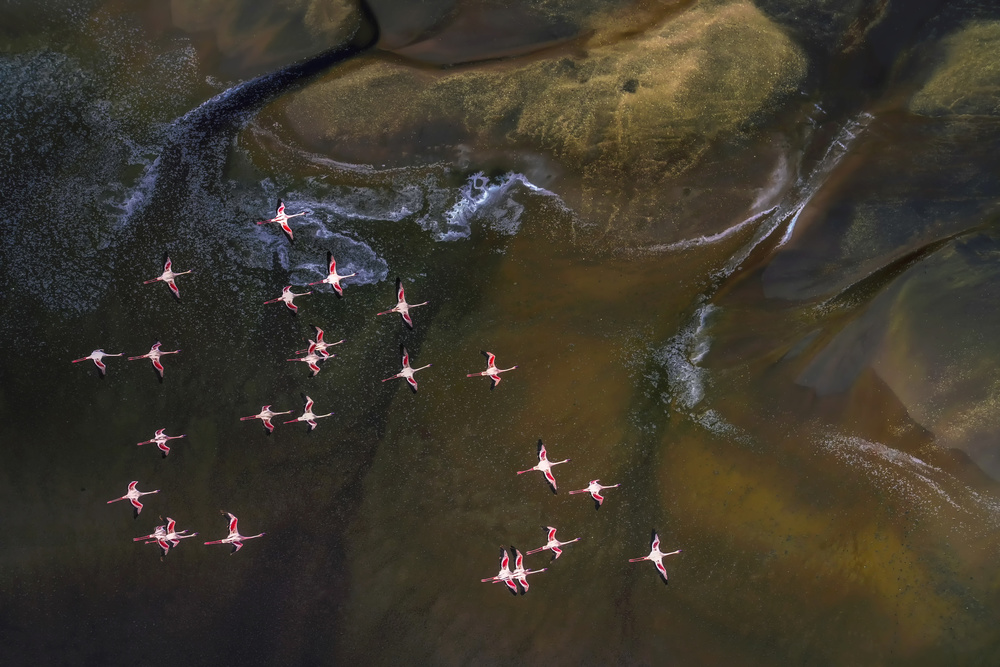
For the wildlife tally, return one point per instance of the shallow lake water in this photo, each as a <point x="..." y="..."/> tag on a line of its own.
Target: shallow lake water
<point x="781" y="344"/>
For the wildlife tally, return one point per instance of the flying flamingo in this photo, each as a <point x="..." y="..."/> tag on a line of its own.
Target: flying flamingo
<point x="158" y="534"/>
<point x="308" y="416"/>
<point x="160" y="440"/>
<point x="656" y="556"/>
<point x="544" y="466"/>
<point x="168" y="277"/>
<point x="504" y="574"/>
<point x="401" y="306"/>
<point x="321" y="345"/>
<point x="166" y="536"/>
<point x="491" y="369"/>
<point x="553" y="544"/>
<point x="407" y="372"/>
<point x="97" y="355"/>
<point x="312" y="359"/>
<point x="133" y="497"/>
<point x="234" y="537"/>
<point x="594" y="489"/>
<point x="281" y="218"/>
<point x="334" y="278"/>
<point x="519" y="574"/>
<point x="154" y="355"/>
<point x="264" y="416"/>
<point x="287" y="296"/>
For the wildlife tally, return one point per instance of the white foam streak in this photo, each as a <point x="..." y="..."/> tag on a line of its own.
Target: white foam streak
<point x="789" y="209"/>
<point x="481" y="197"/>
<point x="713" y="238"/>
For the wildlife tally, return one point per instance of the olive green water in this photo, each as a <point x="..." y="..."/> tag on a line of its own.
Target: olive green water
<point x="746" y="268"/>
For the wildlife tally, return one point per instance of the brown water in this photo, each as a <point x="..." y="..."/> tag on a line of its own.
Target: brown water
<point x="781" y="346"/>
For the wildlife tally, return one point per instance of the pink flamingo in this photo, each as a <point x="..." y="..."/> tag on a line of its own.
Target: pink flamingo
<point x="312" y="359"/>
<point x="321" y="345"/>
<point x="97" y="355"/>
<point x="407" y="372"/>
<point x="519" y="574"/>
<point x="401" y="306"/>
<point x="168" y="277"/>
<point x="133" y="497"/>
<point x="281" y="218"/>
<point x="308" y="416"/>
<point x="234" y="536"/>
<point x="491" y="369"/>
<point x="287" y="296"/>
<point x="154" y="355"/>
<point x="544" y="466"/>
<point x="160" y="439"/>
<point x="504" y="574"/>
<point x="334" y="278"/>
<point x="166" y="536"/>
<point x="264" y="416"/>
<point x="656" y="556"/>
<point x="594" y="489"/>
<point x="158" y="534"/>
<point x="553" y="544"/>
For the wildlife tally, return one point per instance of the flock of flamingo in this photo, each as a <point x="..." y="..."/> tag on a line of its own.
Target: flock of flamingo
<point x="166" y="536"/>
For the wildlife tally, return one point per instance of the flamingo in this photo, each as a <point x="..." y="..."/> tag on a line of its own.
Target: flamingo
<point x="312" y="359"/>
<point x="158" y="534"/>
<point x="334" y="278"/>
<point x="544" y="466"/>
<point x="97" y="355"/>
<point x="265" y="415"/>
<point x="656" y="556"/>
<point x="321" y="345"/>
<point x="519" y="574"/>
<point x="308" y="416"/>
<point x="407" y="372"/>
<point x="491" y="369"/>
<point x="553" y="544"/>
<point x="166" y="536"/>
<point x="168" y="277"/>
<point x="594" y="489"/>
<point x="281" y="218"/>
<point x="154" y="355"/>
<point x="401" y="306"/>
<point x="234" y="536"/>
<point x="504" y="574"/>
<point x="287" y="296"/>
<point x="160" y="439"/>
<point x="133" y="497"/>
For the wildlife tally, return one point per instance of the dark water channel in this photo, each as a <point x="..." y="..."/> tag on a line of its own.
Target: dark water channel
<point x="759" y="293"/>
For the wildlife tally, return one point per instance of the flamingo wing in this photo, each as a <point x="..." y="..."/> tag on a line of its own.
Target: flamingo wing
<point x="166" y="265"/>
<point x="309" y="404"/>
<point x="406" y="318"/>
<point x="551" y="479"/>
<point x="280" y="208"/>
<point x="400" y="295"/>
<point x="662" y="569"/>
<point x="233" y="523"/>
